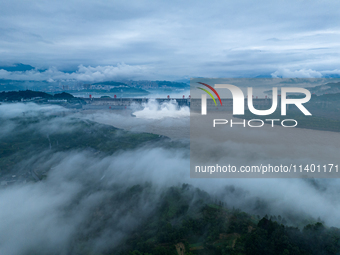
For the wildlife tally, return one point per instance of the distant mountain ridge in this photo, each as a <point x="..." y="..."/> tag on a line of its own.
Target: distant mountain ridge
<point x="329" y="88"/>
<point x="28" y="94"/>
<point x="19" y="67"/>
<point x="111" y="83"/>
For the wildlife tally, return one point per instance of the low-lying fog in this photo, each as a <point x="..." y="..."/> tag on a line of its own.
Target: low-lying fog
<point x="46" y="215"/>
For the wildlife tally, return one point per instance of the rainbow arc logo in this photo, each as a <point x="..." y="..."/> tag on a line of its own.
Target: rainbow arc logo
<point x="209" y="93"/>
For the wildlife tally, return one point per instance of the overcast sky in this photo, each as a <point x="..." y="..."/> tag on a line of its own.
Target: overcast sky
<point x="103" y="40"/>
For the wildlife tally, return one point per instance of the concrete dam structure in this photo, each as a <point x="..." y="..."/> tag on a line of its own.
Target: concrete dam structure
<point x="194" y="104"/>
<point x="124" y="103"/>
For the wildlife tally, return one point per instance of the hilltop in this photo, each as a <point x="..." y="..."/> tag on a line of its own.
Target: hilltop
<point x="29" y="94"/>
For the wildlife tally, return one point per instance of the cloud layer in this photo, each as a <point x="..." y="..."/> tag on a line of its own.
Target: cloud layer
<point x="169" y="40"/>
<point x="88" y="74"/>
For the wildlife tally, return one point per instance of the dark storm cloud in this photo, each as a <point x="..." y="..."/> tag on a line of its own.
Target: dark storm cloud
<point x="171" y="39"/>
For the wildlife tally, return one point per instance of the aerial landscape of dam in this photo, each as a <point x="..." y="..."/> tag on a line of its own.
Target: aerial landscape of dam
<point x="169" y="127"/>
